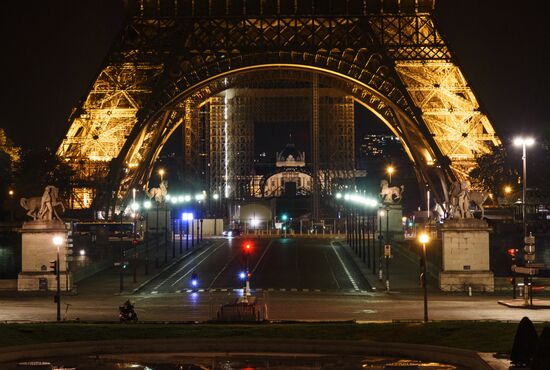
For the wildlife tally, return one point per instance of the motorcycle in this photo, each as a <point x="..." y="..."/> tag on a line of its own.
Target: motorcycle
<point x="194" y="283"/>
<point x="127" y="313"/>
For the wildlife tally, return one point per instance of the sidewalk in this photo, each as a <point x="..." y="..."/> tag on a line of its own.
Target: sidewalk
<point x="107" y="282"/>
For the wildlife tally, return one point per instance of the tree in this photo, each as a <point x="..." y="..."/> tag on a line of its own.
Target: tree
<point x="494" y="171"/>
<point x="541" y="359"/>
<point x="39" y="168"/>
<point x="525" y="343"/>
<point x="9" y="159"/>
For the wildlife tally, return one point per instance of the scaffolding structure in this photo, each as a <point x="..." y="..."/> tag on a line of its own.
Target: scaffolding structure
<point x="231" y="125"/>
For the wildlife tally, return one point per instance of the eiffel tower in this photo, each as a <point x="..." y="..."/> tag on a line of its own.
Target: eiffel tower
<point x="172" y="55"/>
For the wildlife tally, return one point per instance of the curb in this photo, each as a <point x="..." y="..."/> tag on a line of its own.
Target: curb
<point x="263" y="346"/>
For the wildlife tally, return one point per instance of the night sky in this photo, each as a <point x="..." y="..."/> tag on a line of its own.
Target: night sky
<point x="52" y="50"/>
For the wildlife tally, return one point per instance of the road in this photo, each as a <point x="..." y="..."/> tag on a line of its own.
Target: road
<point x="285" y="264"/>
<point x="297" y="278"/>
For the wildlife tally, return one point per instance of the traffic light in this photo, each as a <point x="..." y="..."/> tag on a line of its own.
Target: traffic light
<point x="512" y="252"/>
<point x="53" y="267"/>
<point x="284" y="217"/>
<point x="247" y="247"/>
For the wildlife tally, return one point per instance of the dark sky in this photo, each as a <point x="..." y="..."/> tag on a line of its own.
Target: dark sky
<point x="52" y="50"/>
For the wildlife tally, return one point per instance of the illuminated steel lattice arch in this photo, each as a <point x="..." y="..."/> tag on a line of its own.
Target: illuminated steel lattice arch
<point x="175" y="54"/>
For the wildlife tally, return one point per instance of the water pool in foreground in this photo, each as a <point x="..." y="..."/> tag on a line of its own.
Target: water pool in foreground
<point x="242" y="361"/>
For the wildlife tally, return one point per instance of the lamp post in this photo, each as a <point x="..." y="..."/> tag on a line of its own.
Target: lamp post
<point x="135" y="208"/>
<point x="524" y="143"/>
<point x="390" y="170"/>
<point x="387" y="254"/>
<point x="57" y="241"/>
<point x="11" y="193"/>
<point x="147" y="206"/>
<point x="424" y="238"/>
<point x="381" y="213"/>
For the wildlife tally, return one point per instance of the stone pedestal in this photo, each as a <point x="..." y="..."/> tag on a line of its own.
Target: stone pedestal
<point x="465" y="256"/>
<point x="395" y="222"/>
<point x="37" y="251"/>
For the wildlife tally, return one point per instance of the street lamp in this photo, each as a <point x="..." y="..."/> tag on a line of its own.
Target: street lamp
<point x="524" y="143"/>
<point x="381" y="213"/>
<point x="390" y="170"/>
<point x="424" y="238"/>
<point x="57" y="241"/>
<point x="161" y="174"/>
<point x="11" y="193"/>
<point x="147" y="205"/>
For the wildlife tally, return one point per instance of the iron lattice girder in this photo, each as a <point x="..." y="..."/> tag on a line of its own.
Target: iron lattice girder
<point x="152" y="9"/>
<point x="380" y="55"/>
<point x="450" y="110"/>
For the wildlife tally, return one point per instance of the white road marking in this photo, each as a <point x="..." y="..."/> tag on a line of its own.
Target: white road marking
<point x="344" y="266"/>
<point x="222" y="270"/>
<point x="261" y="257"/>
<point x="189" y="263"/>
<point x="184" y="266"/>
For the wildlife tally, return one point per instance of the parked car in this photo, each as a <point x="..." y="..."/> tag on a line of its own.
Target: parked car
<point x="232" y="232"/>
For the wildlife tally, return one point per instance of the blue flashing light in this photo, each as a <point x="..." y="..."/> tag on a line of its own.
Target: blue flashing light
<point x="187" y="216"/>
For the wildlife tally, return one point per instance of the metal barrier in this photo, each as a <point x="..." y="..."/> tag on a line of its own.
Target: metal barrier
<point x="241" y="311"/>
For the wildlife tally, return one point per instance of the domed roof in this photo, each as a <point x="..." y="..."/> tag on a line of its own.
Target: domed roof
<point x="290" y="153"/>
<point x="291" y="157"/>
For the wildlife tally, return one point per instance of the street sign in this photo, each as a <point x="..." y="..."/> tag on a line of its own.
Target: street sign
<point x="525" y="270"/>
<point x="387" y="250"/>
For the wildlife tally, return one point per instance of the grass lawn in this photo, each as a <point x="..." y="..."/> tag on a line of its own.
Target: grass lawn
<point x="479" y="336"/>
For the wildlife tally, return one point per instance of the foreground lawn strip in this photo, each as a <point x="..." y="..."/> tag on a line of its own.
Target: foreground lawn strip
<point x="479" y="336"/>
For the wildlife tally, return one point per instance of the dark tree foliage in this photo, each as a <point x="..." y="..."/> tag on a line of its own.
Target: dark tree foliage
<point x="41" y="167"/>
<point x="494" y="171"/>
<point x="538" y="163"/>
<point x="525" y="343"/>
<point x="9" y="157"/>
<point x="541" y="360"/>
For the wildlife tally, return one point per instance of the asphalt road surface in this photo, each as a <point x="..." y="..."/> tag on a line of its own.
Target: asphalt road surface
<point x="303" y="265"/>
<point x="296" y="278"/>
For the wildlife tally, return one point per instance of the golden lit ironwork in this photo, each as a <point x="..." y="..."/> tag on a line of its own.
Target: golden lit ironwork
<point x="175" y="55"/>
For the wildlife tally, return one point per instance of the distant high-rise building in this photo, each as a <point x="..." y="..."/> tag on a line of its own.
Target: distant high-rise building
<point x="379" y="146"/>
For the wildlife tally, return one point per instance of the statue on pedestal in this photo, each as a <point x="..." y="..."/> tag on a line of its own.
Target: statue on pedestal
<point x="43" y="208"/>
<point x="159" y="194"/>
<point x="460" y="200"/>
<point x="390" y="194"/>
<point x="461" y="197"/>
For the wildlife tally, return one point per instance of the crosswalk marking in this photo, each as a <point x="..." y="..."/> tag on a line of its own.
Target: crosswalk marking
<point x="288" y="290"/>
